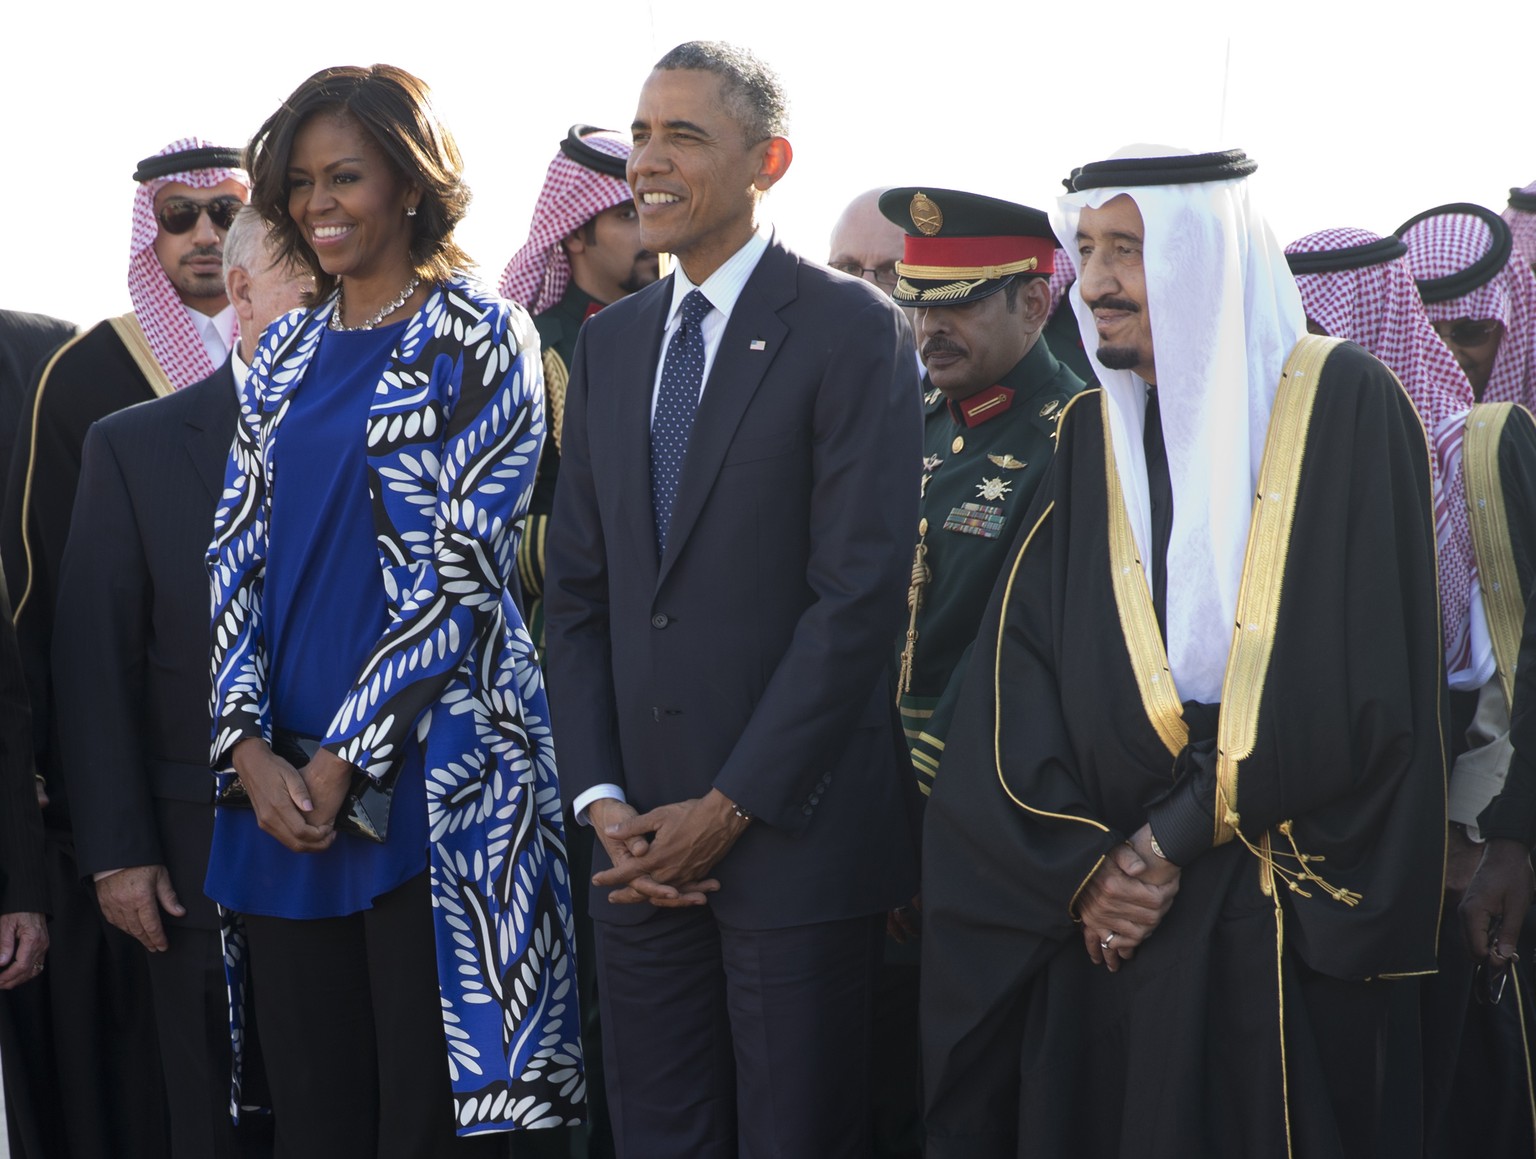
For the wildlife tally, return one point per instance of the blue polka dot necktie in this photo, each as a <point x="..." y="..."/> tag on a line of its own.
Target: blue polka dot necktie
<point x="682" y="377"/>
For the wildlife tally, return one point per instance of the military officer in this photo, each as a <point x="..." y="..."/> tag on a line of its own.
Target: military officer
<point x="976" y="270"/>
<point x="975" y="276"/>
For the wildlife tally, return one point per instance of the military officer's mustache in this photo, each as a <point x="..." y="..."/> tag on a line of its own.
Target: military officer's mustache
<point x="941" y="346"/>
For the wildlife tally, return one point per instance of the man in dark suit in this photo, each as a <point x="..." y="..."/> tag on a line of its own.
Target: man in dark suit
<point x="728" y="560"/>
<point x="130" y="654"/>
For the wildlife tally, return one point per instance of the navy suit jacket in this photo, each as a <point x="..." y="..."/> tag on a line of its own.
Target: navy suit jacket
<point x="754" y="655"/>
<point x="130" y="642"/>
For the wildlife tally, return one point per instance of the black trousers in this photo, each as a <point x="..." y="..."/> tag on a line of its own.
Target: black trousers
<point x="721" y="1042"/>
<point x="896" y="1072"/>
<point x="82" y="1067"/>
<point x="351" y="1028"/>
<point x="192" y="1021"/>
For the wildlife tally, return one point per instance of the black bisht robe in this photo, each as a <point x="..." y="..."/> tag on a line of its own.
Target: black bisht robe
<point x="1054" y="757"/>
<point x="1478" y="1075"/>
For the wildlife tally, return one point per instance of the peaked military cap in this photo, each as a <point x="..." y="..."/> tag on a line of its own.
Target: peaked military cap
<point x="962" y="247"/>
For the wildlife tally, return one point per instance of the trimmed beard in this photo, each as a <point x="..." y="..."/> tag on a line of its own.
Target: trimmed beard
<point x="1118" y="357"/>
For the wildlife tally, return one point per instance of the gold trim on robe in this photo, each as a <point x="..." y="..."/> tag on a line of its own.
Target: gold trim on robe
<point x="1259" y="595"/>
<point x="132" y="334"/>
<point x="1138" y="618"/>
<point x="26" y="489"/>
<point x="997" y="689"/>
<point x="1500" y="581"/>
<point x="997" y="675"/>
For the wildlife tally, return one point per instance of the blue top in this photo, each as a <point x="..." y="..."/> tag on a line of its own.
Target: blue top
<point x="324" y="609"/>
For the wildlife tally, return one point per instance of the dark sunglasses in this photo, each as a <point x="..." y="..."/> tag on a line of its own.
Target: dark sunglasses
<point x="181" y="213"/>
<point x="1467" y="332"/>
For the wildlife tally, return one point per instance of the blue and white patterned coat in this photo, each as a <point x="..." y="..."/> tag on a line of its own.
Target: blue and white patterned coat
<point x="453" y="439"/>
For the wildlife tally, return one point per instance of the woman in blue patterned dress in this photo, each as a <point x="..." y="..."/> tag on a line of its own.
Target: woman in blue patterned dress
<point x="421" y="987"/>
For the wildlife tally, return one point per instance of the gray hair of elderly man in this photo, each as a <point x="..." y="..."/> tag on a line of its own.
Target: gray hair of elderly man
<point x="245" y="244"/>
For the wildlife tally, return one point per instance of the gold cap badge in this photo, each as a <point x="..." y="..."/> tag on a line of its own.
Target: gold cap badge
<point x="926" y="214"/>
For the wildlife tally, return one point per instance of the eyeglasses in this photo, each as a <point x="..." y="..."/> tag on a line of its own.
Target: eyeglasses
<point x="1468" y="332"/>
<point x="883" y="275"/>
<point x="180" y="214"/>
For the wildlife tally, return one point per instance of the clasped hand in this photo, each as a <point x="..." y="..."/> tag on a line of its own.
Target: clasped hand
<point x="664" y="857"/>
<point x="296" y="806"/>
<point x="1124" y="901"/>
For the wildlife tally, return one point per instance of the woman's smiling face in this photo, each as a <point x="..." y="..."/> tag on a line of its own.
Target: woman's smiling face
<point x="349" y="202"/>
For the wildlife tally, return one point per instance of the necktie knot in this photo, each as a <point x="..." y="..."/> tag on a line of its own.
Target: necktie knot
<point x="695" y="307"/>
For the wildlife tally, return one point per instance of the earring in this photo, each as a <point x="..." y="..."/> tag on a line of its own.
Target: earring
<point x="410" y="211"/>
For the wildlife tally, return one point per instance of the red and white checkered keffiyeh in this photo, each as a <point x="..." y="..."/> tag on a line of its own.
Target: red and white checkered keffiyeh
<point x="1448" y="243"/>
<point x="573" y="195"/>
<point x="1063" y="274"/>
<point x="172" y="336"/>
<point x="1523" y="226"/>
<point x="1378" y="308"/>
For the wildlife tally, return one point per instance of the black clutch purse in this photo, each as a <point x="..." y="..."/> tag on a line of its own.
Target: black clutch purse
<point x="365" y="809"/>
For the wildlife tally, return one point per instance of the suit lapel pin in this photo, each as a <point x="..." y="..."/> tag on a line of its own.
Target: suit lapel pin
<point x="758" y="344"/>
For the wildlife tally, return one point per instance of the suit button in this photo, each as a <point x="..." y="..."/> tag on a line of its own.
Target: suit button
<point x="807" y="809"/>
<point x="659" y="620"/>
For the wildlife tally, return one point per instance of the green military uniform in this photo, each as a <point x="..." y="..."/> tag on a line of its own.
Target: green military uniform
<point x="983" y="459"/>
<point x="983" y="455"/>
<point x="557" y="327"/>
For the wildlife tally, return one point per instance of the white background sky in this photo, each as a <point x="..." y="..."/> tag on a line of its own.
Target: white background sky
<point x="1356" y="117"/>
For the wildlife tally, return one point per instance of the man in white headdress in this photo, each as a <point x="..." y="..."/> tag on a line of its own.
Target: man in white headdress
<point x="1163" y="859"/>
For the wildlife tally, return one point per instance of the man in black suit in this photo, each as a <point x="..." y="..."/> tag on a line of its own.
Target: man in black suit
<point x="130" y="655"/>
<point x="728" y="559"/>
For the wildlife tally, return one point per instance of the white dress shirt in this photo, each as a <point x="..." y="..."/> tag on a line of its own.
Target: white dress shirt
<point x="722" y="288"/>
<point x="217" y="332"/>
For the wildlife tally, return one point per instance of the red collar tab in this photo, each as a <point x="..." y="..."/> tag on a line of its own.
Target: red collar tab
<point x="592" y="308"/>
<point x="983" y="405"/>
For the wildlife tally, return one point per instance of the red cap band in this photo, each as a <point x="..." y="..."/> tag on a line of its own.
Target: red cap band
<point x="965" y="252"/>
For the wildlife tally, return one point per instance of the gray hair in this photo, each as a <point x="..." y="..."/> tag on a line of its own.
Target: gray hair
<point x="753" y="92"/>
<point x="245" y="243"/>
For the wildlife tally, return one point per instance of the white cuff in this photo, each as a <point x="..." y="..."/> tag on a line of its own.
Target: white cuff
<point x="595" y="793"/>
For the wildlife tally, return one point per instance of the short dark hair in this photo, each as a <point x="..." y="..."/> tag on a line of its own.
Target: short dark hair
<point x="395" y="109"/>
<point x="1014" y="284"/>
<point x="753" y="92"/>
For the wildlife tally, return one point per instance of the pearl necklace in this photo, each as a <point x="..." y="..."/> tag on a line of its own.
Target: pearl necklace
<point x="388" y="309"/>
